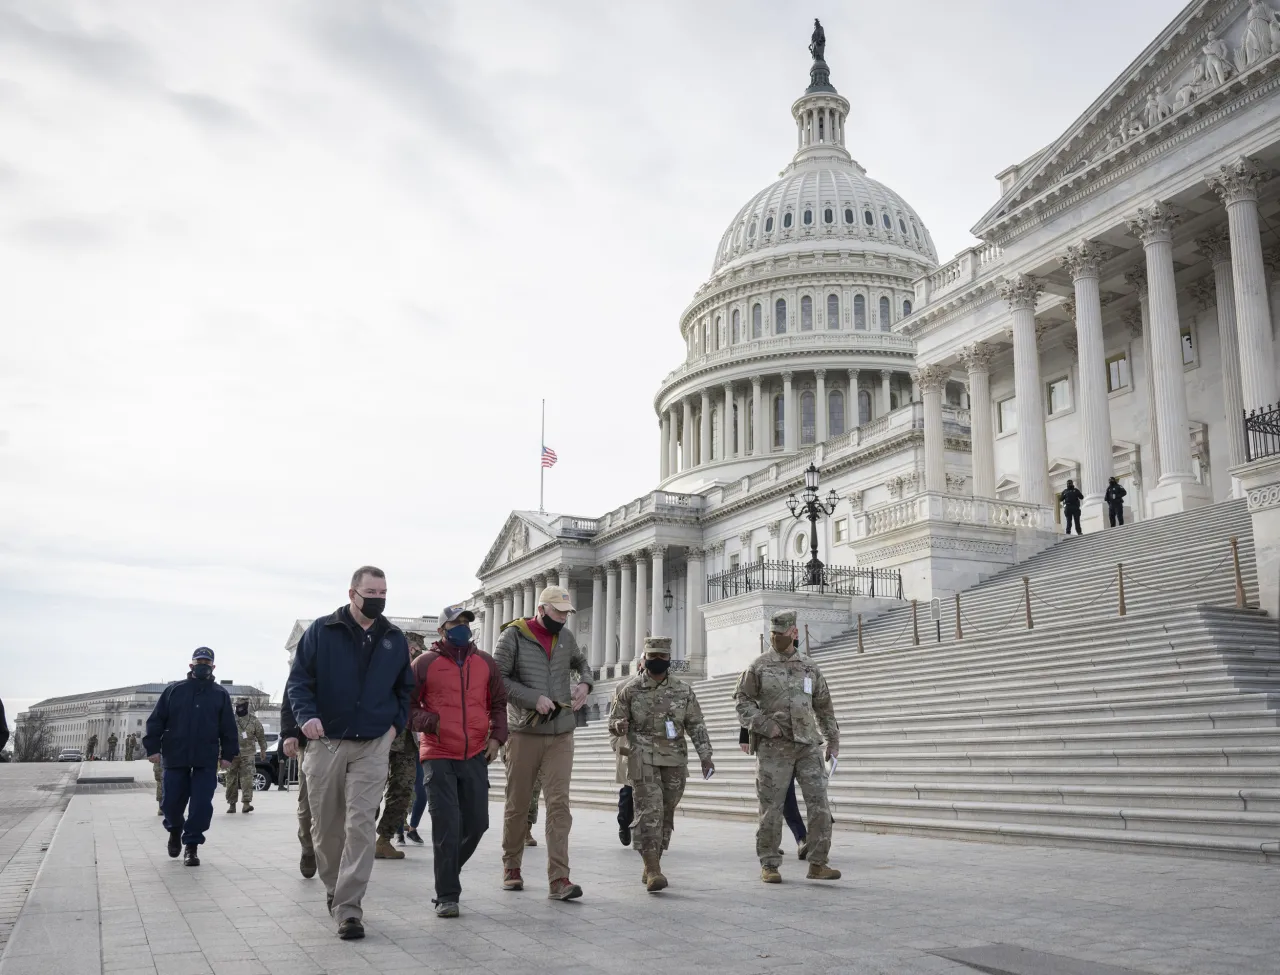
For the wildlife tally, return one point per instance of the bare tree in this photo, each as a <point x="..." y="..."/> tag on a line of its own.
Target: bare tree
<point x="33" y="739"/>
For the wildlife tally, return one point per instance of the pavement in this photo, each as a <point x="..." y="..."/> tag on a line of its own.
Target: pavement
<point x="108" y="899"/>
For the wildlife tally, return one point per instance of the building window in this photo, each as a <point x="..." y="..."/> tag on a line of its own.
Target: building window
<point x="780" y="317"/>
<point x="859" y="311"/>
<point x="884" y="219"/>
<point x="848" y="215"/>
<point x="828" y="216"/>
<point x="833" y="311"/>
<point x="715" y="432"/>
<point x="906" y="308"/>
<point x="735" y="560"/>
<point x="1058" y="396"/>
<point x="1007" y="415"/>
<point x="1117" y="372"/>
<point x="840" y="529"/>
<point x="1188" y="346"/>
<point x="806" y="314"/>
<point x="756" y="315"/>
<point x="808" y="217"/>
<point x="884" y="314"/>
<point x="719" y="332"/>
<point x="808" y="417"/>
<point x="801" y="544"/>
<point x="762" y="552"/>
<point x="868" y="219"/>
<point x="779" y="423"/>
<point x="835" y="413"/>
<point x="751" y="231"/>
<point x="750" y="445"/>
<point x="737" y="330"/>
<point x="768" y="225"/>
<point x="864" y="407"/>
<point x="786" y="221"/>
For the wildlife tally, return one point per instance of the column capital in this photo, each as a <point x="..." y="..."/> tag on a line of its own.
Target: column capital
<point x="774" y="529"/>
<point x="786" y="376"/>
<point x="694" y="555"/>
<point x="597" y="573"/>
<point x="1021" y="291"/>
<point x="886" y="374"/>
<point x="853" y="378"/>
<point x="1136" y="278"/>
<point x="977" y="357"/>
<point x="1085" y="259"/>
<point x="611" y="567"/>
<point x="821" y="374"/>
<point x="744" y="539"/>
<point x="1072" y="342"/>
<point x="756" y="381"/>
<point x="1042" y="329"/>
<point x="626" y="561"/>
<point x="1069" y="306"/>
<point x="1237" y="181"/>
<point x="658" y="551"/>
<point x="1154" y="224"/>
<point x="1132" y="321"/>
<point x="1204" y="292"/>
<point x="931" y="378"/>
<point x="1215" y="245"/>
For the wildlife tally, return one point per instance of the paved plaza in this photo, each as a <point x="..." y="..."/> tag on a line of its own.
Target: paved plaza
<point x="108" y="899"/>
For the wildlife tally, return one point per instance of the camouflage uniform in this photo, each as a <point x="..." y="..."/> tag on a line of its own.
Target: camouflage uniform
<point x="402" y="769"/>
<point x="112" y="742"/>
<point x="788" y="691"/>
<point x="128" y="747"/>
<point x="89" y="746"/>
<point x="240" y="775"/>
<point x="657" y="755"/>
<point x="157" y="769"/>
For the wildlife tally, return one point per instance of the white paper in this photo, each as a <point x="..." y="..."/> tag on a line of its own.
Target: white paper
<point x="708" y="773"/>
<point x="671" y="728"/>
<point x="831" y="769"/>
<point x="808" y="684"/>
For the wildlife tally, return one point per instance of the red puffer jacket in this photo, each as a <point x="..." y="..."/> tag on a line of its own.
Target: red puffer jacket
<point x="460" y="702"/>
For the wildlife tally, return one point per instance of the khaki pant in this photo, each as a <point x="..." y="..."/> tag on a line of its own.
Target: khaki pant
<point x="343" y="789"/>
<point x="529" y="755"/>
<point x="304" y="811"/>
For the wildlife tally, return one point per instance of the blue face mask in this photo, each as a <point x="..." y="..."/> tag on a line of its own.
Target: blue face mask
<point x="458" y="636"/>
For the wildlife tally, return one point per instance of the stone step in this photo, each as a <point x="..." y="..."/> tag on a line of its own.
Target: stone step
<point x="1164" y="754"/>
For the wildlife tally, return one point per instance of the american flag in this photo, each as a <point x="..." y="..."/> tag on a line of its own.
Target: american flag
<point x="548" y="457"/>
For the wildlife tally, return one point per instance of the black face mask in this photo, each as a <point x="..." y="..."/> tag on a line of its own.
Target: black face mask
<point x="551" y="626"/>
<point x="202" y="671"/>
<point x="372" y="606"/>
<point x="242" y="710"/>
<point x="657" y="666"/>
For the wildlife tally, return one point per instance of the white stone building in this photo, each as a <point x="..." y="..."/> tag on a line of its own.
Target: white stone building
<point x="1117" y="319"/>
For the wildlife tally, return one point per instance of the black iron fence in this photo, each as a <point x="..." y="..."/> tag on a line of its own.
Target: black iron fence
<point x="787" y="576"/>
<point x="1262" y="432"/>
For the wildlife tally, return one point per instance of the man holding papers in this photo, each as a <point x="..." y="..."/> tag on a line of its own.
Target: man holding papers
<point x="784" y="704"/>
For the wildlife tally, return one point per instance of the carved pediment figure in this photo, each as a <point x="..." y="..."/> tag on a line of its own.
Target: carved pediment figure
<point x="1256" y="43"/>
<point x="1213" y="58"/>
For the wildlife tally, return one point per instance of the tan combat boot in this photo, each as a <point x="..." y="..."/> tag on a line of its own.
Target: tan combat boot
<point x="654" y="880"/>
<point x="246" y="807"/>
<point x="232" y="808"/>
<point x="770" y="875"/>
<point x="820" y="871"/>
<point x="383" y="850"/>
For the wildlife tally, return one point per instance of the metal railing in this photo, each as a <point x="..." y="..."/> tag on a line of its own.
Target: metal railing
<point x="787" y="576"/>
<point x="1262" y="432"/>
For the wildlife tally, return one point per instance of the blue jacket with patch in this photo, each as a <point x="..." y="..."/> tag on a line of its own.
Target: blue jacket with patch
<point x="355" y="694"/>
<point x="193" y="725"/>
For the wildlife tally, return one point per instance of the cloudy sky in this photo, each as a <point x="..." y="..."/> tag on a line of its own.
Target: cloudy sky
<point x="284" y="282"/>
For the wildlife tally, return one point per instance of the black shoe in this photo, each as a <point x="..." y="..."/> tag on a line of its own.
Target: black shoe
<point x="624" y="835"/>
<point x="802" y="851"/>
<point x="175" y="842"/>
<point x="413" y="835"/>
<point x="328" y="903"/>
<point x="351" y="929"/>
<point x="192" y="856"/>
<point x="400" y="837"/>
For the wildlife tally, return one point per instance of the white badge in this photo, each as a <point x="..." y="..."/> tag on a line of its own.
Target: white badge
<point x="671" y="728"/>
<point x="808" y="684"/>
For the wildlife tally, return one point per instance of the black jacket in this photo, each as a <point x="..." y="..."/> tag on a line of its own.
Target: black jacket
<point x="1115" y="494"/>
<point x="192" y="725"/>
<point x="288" y="723"/>
<point x="4" y="728"/>
<point x="1071" y="499"/>
<point x="354" y="695"/>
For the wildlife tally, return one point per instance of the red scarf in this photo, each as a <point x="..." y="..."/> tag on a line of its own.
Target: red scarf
<point x="541" y="634"/>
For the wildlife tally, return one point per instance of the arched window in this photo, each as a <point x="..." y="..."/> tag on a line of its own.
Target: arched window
<point x="835" y="413"/>
<point x="888" y="224"/>
<point x="768" y="225"/>
<point x="808" y="217"/>
<point x="864" y="407"/>
<point x="750" y="443"/>
<point x="859" y="311"/>
<point x="779" y="423"/>
<point x="848" y="214"/>
<point x="893" y="400"/>
<point x="906" y="308"/>
<point x="719" y="333"/>
<point x="902" y="224"/>
<point x="868" y="218"/>
<point x="737" y="330"/>
<point x="828" y="216"/>
<point x="780" y="317"/>
<point x="706" y="336"/>
<point x="751" y="231"/>
<point x="715" y="432"/>
<point x="806" y="314"/>
<point x="884" y="314"/>
<point x="808" y="418"/>
<point x="786" y="221"/>
<point x="833" y="311"/>
<point x="734" y="437"/>
<point x="756" y="316"/>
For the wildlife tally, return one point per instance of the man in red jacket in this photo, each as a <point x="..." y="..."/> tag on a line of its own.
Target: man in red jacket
<point x="460" y="706"/>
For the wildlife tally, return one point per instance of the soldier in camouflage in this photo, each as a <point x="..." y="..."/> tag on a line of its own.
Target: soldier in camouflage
<point x="240" y="775"/>
<point x="402" y="769"/>
<point x="157" y="769"/>
<point x="89" y="747"/>
<point x="654" y="712"/>
<point x="784" y="704"/>
<point x="112" y="742"/>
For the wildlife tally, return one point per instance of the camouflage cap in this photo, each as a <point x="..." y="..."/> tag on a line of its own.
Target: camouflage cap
<point x="657" y="644"/>
<point x="242" y="700"/>
<point x="781" y="622"/>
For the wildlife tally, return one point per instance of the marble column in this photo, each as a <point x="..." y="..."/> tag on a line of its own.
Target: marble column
<point x="673" y="442"/>
<point x="1237" y="186"/>
<point x="642" y="600"/>
<point x="759" y="439"/>
<point x="517" y="606"/>
<point x="932" y="380"/>
<point x="695" y="596"/>
<point x="851" y="414"/>
<point x="664" y="447"/>
<point x="657" y="612"/>
<point x="1021" y="293"/>
<point x="610" y="614"/>
<point x="788" y="413"/>
<point x="1216" y="245"/>
<point x="686" y="435"/>
<point x="820" y="407"/>
<point x="530" y="598"/>
<point x="490" y="614"/>
<point x="508" y="606"/>
<point x="740" y="431"/>
<point x="574" y="598"/>
<point x="1137" y="279"/>
<point x="977" y="359"/>
<point x="726" y="423"/>
<point x="1154" y="225"/>
<point x="1084" y="261"/>
<point x="704" y="439"/>
<point x="886" y="394"/>
<point x="627" y="622"/>
<point x="597" y="617"/>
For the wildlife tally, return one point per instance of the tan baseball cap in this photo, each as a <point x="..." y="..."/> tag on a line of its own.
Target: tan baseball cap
<point x="556" y="598"/>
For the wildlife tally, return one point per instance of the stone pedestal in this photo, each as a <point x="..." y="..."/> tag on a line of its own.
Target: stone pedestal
<point x="1260" y="481"/>
<point x="1172" y="497"/>
<point x="735" y="626"/>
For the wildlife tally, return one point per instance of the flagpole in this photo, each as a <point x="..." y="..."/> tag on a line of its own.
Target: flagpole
<point x="542" y="468"/>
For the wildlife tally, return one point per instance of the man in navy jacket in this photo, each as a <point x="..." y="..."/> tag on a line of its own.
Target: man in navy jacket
<point x="192" y="730"/>
<point x="349" y="689"/>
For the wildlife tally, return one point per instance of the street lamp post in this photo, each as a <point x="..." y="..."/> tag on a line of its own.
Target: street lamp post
<point x="810" y="505"/>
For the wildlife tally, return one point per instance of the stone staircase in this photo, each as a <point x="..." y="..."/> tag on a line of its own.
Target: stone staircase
<point x="1158" y="731"/>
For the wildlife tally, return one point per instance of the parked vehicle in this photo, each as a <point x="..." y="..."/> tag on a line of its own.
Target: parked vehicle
<point x="70" y="755"/>
<point x="265" y="773"/>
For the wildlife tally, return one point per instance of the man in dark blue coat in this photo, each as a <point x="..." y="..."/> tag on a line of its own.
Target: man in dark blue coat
<point x="192" y="730"/>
